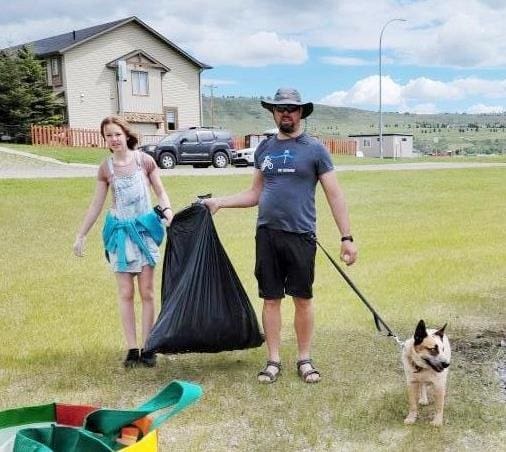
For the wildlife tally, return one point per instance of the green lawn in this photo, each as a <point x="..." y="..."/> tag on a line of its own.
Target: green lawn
<point x="431" y="246"/>
<point x="64" y="154"/>
<point x="96" y="155"/>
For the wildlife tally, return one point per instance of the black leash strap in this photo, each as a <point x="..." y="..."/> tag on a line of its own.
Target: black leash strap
<point x="378" y="321"/>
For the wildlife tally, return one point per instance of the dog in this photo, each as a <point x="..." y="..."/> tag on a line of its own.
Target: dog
<point x="425" y="358"/>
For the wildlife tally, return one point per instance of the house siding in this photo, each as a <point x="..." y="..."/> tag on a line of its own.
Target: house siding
<point x="91" y="87"/>
<point x="153" y="102"/>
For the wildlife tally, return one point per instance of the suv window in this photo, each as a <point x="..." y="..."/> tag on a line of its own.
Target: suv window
<point x="206" y="135"/>
<point x="172" y="138"/>
<point x="222" y="135"/>
<point x="190" y="137"/>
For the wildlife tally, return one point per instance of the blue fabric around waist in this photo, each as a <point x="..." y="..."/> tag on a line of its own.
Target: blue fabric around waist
<point x="116" y="231"/>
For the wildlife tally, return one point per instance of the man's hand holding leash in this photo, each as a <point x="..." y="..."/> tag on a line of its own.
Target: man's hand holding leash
<point x="348" y="250"/>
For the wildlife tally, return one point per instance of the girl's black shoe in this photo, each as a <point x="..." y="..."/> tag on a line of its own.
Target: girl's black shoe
<point x="132" y="358"/>
<point x="148" y="359"/>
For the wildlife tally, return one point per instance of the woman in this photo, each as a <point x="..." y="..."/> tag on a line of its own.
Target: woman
<point x="132" y="230"/>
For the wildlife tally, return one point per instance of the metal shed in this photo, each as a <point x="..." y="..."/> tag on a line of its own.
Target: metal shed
<point x="395" y="145"/>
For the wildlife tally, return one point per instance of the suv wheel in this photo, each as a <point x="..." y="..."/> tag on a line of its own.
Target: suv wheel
<point x="220" y="159"/>
<point x="167" y="160"/>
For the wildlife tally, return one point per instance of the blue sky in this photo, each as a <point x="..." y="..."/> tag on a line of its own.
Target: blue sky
<point x="449" y="56"/>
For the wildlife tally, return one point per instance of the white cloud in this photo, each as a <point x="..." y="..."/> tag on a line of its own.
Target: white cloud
<point x="463" y="40"/>
<point x="263" y="49"/>
<point x="436" y="33"/>
<point x="430" y="90"/>
<point x="480" y="108"/>
<point x="262" y="32"/>
<point x="345" y="61"/>
<point x="423" y="109"/>
<point x="418" y="95"/>
<point x="491" y="89"/>
<point x="366" y="92"/>
<point x="452" y="33"/>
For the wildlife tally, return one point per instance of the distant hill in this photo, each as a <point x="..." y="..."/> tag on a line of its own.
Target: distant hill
<point x="477" y="133"/>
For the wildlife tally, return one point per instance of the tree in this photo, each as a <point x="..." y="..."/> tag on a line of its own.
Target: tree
<point x="25" y="98"/>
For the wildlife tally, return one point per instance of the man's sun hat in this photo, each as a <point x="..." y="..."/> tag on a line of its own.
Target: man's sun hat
<point x="288" y="96"/>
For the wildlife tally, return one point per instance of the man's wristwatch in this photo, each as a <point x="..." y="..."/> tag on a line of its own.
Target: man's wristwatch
<point x="347" y="238"/>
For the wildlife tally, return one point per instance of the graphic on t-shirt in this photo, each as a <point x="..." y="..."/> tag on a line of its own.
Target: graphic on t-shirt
<point x="267" y="163"/>
<point x="284" y="159"/>
<point x="285" y="155"/>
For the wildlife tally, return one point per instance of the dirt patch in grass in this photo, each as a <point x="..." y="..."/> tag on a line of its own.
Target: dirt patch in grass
<point x="487" y="346"/>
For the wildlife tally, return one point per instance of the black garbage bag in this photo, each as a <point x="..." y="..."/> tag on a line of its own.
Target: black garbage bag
<point x="204" y="305"/>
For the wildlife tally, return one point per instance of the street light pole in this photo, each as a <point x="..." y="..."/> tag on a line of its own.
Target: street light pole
<point x="380" y="93"/>
<point x="211" y="88"/>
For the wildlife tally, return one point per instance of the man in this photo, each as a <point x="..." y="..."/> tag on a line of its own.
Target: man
<point x="287" y="169"/>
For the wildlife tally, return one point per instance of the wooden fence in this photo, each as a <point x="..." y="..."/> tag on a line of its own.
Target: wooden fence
<point x="66" y="136"/>
<point x="239" y="142"/>
<point x="340" y="146"/>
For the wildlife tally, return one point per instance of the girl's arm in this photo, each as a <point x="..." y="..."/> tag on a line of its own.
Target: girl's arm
<point x="91" y="216"/>
<point x="161" y="194"/>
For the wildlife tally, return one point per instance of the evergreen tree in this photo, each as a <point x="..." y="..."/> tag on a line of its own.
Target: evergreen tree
<point x="14" y="103"/>
<point x="25" y="97"/>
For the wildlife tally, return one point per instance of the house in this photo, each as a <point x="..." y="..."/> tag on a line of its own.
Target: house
<point x="395" y="145"/>
<point x="124" y="68"/>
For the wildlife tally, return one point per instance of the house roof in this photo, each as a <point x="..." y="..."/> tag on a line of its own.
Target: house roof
<point x="62" y="43"/>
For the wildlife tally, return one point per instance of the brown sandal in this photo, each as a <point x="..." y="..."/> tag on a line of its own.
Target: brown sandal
<point x="265" y="373"/>
<point x="307" y="373"/>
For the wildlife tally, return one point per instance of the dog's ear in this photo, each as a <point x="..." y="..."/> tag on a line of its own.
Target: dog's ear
<point x="420" y="332"/>
<point x="441" y="331"/>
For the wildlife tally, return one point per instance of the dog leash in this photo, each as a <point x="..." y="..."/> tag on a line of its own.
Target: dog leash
<point x="378" y="321"/>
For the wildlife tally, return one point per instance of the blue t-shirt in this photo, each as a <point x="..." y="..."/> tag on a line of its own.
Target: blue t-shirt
<point x="290" y="170"/>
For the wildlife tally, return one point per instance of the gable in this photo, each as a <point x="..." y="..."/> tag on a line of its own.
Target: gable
<point x="139" y="58"/>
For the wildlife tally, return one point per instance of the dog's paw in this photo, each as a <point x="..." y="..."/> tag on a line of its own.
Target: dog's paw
<point x="437" y="421"/>
<point x="410" y="418"/>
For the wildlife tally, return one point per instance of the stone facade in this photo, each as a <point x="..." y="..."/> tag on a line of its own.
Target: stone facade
<point x="155" y="118"/>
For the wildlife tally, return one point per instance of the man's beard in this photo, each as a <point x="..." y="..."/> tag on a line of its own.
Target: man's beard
<point x="287" y="128"/>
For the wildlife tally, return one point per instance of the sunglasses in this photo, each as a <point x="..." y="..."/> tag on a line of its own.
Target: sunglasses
<point x="287" y="108"/>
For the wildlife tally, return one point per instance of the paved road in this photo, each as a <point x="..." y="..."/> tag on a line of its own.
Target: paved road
<point x="21" y="165"/>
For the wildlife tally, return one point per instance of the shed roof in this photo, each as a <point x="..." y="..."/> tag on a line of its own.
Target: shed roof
<point x="383" y="134"/>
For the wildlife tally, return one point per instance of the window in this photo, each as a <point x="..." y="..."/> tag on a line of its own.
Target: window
<point x="367" y="142"/>
<point x="140" y="86"/>
<point x="191" y="137"/>
<point x="55" y="71"/>
<point x="170" y="119"/>
<point x="206" y="136"/>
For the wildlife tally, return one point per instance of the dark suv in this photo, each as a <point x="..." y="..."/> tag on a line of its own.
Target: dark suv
<point x="197" y="146"/>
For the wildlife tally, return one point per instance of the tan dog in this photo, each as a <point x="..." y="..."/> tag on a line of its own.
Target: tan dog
<point x="426" y="358"/>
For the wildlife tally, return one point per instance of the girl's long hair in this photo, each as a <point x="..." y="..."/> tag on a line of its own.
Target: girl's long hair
<point x="132" y="139"/>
